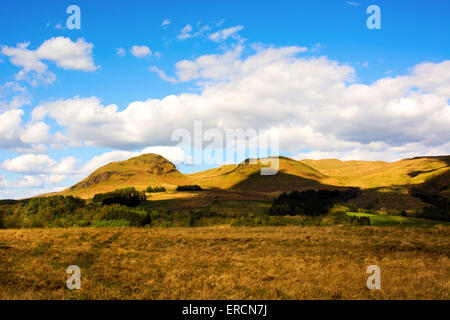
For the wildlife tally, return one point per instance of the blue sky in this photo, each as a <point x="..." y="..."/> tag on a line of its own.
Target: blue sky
<point x="324" y="51"/>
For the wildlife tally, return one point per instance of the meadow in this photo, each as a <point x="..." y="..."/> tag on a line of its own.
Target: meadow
<point x="226" y="263"/>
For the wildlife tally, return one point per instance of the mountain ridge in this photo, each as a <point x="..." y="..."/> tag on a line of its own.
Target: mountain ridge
<point x="373" y="177"/>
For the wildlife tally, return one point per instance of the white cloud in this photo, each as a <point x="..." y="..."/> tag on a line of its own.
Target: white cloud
<point x="224" y="34"/>
<point x="185" y="33"/>
<point x="223" y="66"/>
<point x="162" y="74"/>
<point x="166" y="22"/>
<point x="11" y="122"/>
<point x="173" y="154"/>
<point x="68" y="54"/>
<point x="39" y="164"/>
<point x="141" y="51"/>
<point x="13" y="96"/>
<point x="352" y="3"/>
<point x="34" y="78"/>
<point x="40" y="174"/>
<point x="21" y="56"/>
<point x="25" y="138"/>
<point x="188" y="31"/>
<point x="37" y="132"/>
<point x="31" y="185"/>
<point x="315" y="102"/>
<point x="121" y="52"/>
<point x="62" y="51"/>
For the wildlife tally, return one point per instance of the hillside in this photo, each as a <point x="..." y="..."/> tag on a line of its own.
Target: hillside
<point x="139" y="172"/>
<point x="384" y="184"/>
<point x="245" y="176"/>
<point x="375" y="174"/>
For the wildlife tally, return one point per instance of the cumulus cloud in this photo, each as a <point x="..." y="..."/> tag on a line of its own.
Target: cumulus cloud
<point x="224" y="34"/>
<point x="28" y="186"/>
<point x="166" y="22"/>
<point x="30" y="137"/>
<point x="37" y="132"/>
<point x="140" y="51"/>
<point x="39" y="172"/>
<point x="62" y="51"/>
<point x="11" y="121"/>
<point x="21" y="56"/>
<point x="39" y="164"/>
<point x="314" y="101"/>
<point x="68" y="54"/>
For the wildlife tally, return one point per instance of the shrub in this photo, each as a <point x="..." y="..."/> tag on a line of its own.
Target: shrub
<point x="310" y="202"/>
<point x="441" y="205"/>
<point x="128" y="197"/>
<point x="193" y="187"/>
<point x="155" y="189"/>
<point x="135" y="218"/>
<point x="436" y="213"/>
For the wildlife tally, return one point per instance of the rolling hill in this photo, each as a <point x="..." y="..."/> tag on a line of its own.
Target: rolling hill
<point x="384" y="184"/>
<point x="139" y="172"/>
<point x="375" y="174"/>
<point x="246" y="176"/>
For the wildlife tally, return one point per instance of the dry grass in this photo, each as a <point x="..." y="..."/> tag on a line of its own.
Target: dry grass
<point x="226" y="263"/>
<point x="374" y="174"/>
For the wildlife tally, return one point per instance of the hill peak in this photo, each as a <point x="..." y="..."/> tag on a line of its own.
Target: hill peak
<point x="145" y="170"/>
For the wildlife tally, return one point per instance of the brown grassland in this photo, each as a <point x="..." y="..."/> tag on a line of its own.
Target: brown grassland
<point x="226" y="263"/>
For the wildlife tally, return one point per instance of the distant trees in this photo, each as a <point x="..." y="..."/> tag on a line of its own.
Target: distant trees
<point x="192" y="187"/>
<point x="441" y="205"/>
<point x="310" y="202"/>
<point x="155" y="189"/>
<point x="39" y="212"/>
<point x="128" y="197"/>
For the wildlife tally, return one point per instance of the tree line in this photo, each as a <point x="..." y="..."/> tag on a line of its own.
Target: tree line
<point x="310" y="202"/>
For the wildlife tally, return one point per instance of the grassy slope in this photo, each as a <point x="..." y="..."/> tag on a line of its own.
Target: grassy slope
<point x="375" y="174"/>
<point x="246" y="177"/>
<point x="139" y="172"/>
<point x="384" y="184"/>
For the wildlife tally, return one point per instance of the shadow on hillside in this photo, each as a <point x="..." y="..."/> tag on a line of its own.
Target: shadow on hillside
<point x="280" y="182"/>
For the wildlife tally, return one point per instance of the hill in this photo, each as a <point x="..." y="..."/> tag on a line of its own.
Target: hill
<point x="292" y="175"/>
<point x="139" y="172"/>
<point x="383" y="184"/>
<point x="375" y="174"/>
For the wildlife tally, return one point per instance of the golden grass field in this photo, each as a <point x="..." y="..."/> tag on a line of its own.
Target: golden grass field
<point x="226" y="263"/>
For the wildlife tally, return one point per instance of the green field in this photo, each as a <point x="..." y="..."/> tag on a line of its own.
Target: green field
<point x="388" y="220"/>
